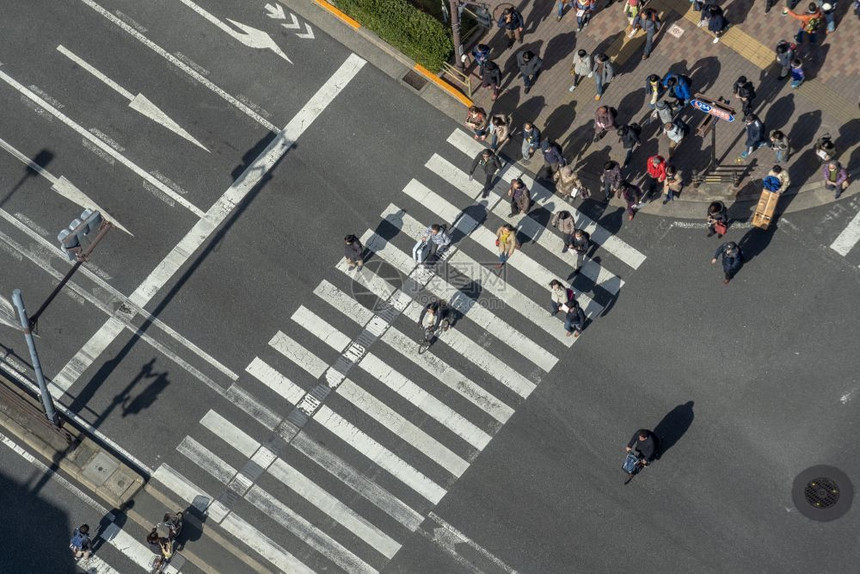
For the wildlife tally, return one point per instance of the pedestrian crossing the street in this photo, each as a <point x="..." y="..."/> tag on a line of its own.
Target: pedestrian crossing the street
<point x="344" y="437"/>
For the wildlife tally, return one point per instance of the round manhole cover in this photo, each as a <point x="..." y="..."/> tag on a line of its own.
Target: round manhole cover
<point x="822" y="493"/>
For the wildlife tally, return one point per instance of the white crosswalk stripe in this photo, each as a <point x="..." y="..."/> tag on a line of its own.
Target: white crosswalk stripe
<point x="614" y="245"/>
<point x="377" y="410"/>
<point x="378" y="454"/>
<point x="259" y="542"/>
<point x="420" y="421"/>
<point x="848" y="238"/>
<point x="507" y="334"/>
<point x="519" y="260"/>
<point x="270" y="506"/>
<point x="267" y="375"/>
<point x="300" y="484"/>
<point x="442" y="371"/>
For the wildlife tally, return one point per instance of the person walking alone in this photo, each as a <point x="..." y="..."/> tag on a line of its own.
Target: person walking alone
<point x="521" y="198"/>
<point x="574" y="321"/>
<point x="745" y="92"/>
<point x="564" y="222"/>
<point x="529" y="65"/>
<point x="780" y="145"/>
<point x="80" y="544"/>
<point x="531" y="140"/>
<point x="717" y="219"/>
<point x="732" y="259"/>
<point x="580" y="244"/>
<point x="506" y="241"/>
<point x="628" y="137"/>
<point x="429" y="243"/>
<point x="755" y="135"/>
<point x="580" y="68"/>
<point x="603" y="72"/>
<point x="604" y="120"/>
<point x="568" y="184"/>
<point x="353" y="252"/>
<point x="650" y="22"/>
<point x="491" y="76"/>
<point x="611" y="178"/>
<point x="672" y="185"/>
<point x="511" y="21"/>
<point x="784" y="56"/>
<point x="489" y="164"/>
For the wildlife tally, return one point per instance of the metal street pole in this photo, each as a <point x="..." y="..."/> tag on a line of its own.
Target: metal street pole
<point x="47" y="400"/>
<point x="455" y="31"/>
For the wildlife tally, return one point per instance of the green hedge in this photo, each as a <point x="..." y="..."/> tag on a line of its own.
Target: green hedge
<point x="418" y="35"/>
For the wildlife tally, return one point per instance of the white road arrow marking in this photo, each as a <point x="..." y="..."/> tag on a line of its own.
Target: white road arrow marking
<point x="62" y="186"/>
<point x="308" y="34"/>
<point x="138" y="103"/>
<point x="276" y="11"/>
<point x="251" y="37"/>
<point x="295" y="25"/>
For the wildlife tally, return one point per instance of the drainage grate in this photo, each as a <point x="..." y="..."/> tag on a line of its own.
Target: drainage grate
<point x="822" y="492"/>
<point x="415" y="79"/>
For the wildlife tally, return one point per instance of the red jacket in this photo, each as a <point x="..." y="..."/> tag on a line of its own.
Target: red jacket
<point x="658" y="172"/>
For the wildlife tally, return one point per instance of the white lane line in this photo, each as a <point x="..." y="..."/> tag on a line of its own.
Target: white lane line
<point x="334" y="508"/>
<point x="85" y="357"/>
<point x="375" y="408"/>
<point x="486" y="239"/>
<point x="271" y="507"/>
<point x="184" y="67"/>
<point x="465" y="539"/>
<point x="296" y="353"/>
<point x="359" y="483"/>
<point x="848" y="238"/>
<point x="378" y="454"/>
<point x="504" y="332"/>
<point x="152" y="180"/>
<point x="246" y="402"/>
<point x="439" y="369"/>
<point x="138" y="103"/>
<point x="185" y="490"/>
<point x="283" y="386"/>
<point x="113" y="292"/>
<point x="234" y="196"/>
<point x="63" y="187"/>
<point x="619" y="248"/>
<point x="306" y="488"/>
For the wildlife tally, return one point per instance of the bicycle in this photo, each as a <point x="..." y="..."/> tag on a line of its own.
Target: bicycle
<point x="429" y="335"/>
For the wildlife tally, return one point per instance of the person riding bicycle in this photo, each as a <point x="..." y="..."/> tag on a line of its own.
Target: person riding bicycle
<point x="433" y="315"/>
<point x="644" y="443"/>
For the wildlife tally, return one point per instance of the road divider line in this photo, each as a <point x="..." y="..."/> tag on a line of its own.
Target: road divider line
<point x="223" y="208"/>
<point x="149" y="178"/>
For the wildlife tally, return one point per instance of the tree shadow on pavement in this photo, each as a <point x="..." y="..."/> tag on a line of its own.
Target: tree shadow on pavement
<point x="673" y="426"/>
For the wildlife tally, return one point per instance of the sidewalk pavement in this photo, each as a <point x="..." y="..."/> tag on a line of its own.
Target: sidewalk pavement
<point x="819" y="106"/>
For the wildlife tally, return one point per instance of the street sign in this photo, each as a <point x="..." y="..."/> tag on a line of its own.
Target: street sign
<point x="715" y="111"/>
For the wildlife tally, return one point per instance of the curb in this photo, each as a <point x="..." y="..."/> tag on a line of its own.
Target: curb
<point x="435" y="79"/>
<point x="83" y="459"/>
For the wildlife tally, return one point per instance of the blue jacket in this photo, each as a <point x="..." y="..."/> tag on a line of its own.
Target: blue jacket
<point x="681" y="90"/>
<point x="516" y="21"/>
<point x="755" y="133"/>
<point x="532" y="136"/>
<point x="731" y="262"/>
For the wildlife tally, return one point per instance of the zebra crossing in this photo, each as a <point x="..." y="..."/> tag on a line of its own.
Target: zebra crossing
<point x="341" y="438"/>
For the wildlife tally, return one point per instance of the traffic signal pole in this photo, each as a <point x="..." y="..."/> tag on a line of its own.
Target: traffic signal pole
<point x="47" y="400"/>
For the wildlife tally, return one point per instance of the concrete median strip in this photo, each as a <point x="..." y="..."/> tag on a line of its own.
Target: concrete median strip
<point x="83" y="459"/>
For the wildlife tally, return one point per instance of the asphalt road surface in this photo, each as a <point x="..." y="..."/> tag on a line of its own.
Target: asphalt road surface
<point x="188" y="341"/>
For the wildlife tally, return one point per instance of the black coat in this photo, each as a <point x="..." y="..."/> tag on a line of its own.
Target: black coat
<point x="491" y="165"/>
<point x="492" y="75"/>
<point x="530" y="67"/>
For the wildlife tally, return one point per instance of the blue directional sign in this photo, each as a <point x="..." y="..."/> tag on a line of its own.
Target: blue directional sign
<point x="713" y="110"/>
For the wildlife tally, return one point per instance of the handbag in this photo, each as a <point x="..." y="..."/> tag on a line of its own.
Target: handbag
<point x="720" y="227"/>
